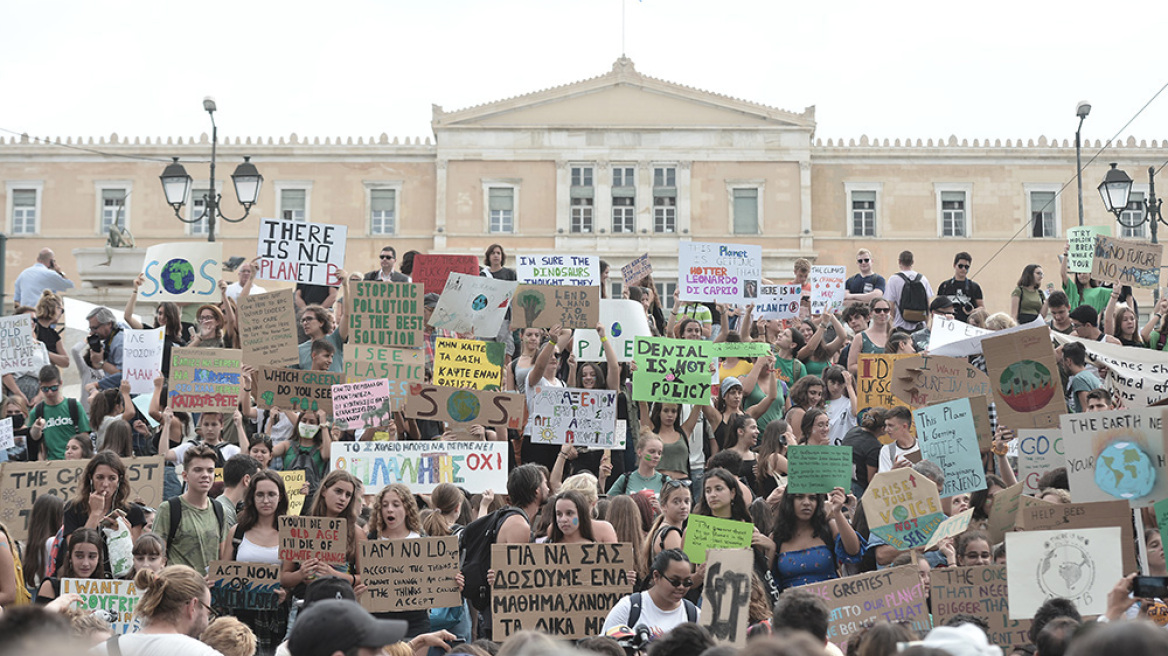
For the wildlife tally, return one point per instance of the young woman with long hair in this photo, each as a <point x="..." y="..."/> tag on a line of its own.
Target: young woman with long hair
<point x="1027" y="301"/>
<point x="102" y="499"/>
<point x="818" y="353"/>
<point x="625" y="517"/>
<point x="731" y="398"/>
<point x="317" y="323"/>
<point x="338" y="497"/>
<point x="808" y="393"/>
<point x="722" y="497"/>
<point x="83" y="559"/>
<point x="310" y="447"/>
<point x="449" y="514"/>
<point x="592" y="376"/>
<point x="645" y="476"/>
<point x="1122" y="322"/>
<point x="573" y="521"/>
<point x="788" y="368"/>
<point x="1081" y="288"/>
<point x="149" y="553"/>
<point x="772" y="457"/>
<point x="742" y="437"/>
<point x="841" y="402"/>
<point x="46" y="518"/>
<point x="167" y="316"/>
<point x="530" y="341"/>
<point x="668" y="529"/>
<point x="395" y="516"/>
<point x="812" y="537"/>
<point x="1155" y="331"/>
<point x="865" y="443"/>
<point x="875" y="337"/>
<point x="79" y="447"/>
<point x="665" y="419"/>
<point x="816" y="428"/>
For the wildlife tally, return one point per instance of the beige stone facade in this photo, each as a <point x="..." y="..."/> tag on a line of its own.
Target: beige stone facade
<point x="620" y="164"/>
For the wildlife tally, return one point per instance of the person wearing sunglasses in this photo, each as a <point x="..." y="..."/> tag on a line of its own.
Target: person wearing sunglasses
<point x="663" y="605"/>
<point x="865" y="285"/>
<point x="54" y="421"/>
<point x="961" y="289"/>
<point x="386" y="273"/>
<point x="875" y="338"/>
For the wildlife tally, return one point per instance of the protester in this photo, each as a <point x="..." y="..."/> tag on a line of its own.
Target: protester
<point x="1028" y="301"/>
<point x="812" y="536"/>
<point x="875" y="337"/>
<point x="663" y="606"/>
<point x="82" y="559"/>
<point x="102" y="501"/>
<point x="907" y="280"/>
<point x="175" y="609"/>
<point x="867" y="284"/>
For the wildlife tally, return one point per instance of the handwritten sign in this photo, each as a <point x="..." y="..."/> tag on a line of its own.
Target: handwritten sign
<point x="357" y="405"/>
<point x="1078" y="565"/>
<point x="623" y="322"/>
<point x="573" y="270"/>
<point x="119" y="598"/>
<point x="726" y="594"/>
<point x="778" y="301"/>
<point x="323" y="538"/>
<point x="816" y="469"/>
<point x="721" y="273"/>
<point x="544" y="306"/>
<point x="567" y="415"/>
<point x="301" y="252"/>
<point x="672" y="371"/>
<point x="295" y="484"/>
<point x="1024" y="376"/>
<point x="1118" y="454"/>
<point x="947" y="331"/>
<point x="740" y="349"/>
<point x="432" y="269"/>
<point x="827" y="288"/>
<point x="1004" y="513"/>
<point x="704" y="533"/>
<point x="415" y="574"/>
<point x="564" y="590"/>
<point x="468" y="363"/>
<point x="1039" y="451"/>
<point x="1127" y="262"/>
<point x="635" y="271"/>
<point x="981" y="592"/>
<point x="1070" y="516"/>
<point x="473" y="304"/>
<point x="875" y="380"/>
<point x="461" y="409"/>
<point x="401" y="367"/>
<point x="1081" y="247"/>
<point x="948" y="437"/>
<point x="1138" y="375"/>
<point x="895" y="593"/>
<point x="142" y="358"/>
<point x="267" y="329"/>
<point x="423" y="465"/>
<point x="237" y="585"/>
<point x="183" y="272"/>
<point x="951" y="527"/>
<point x="204" y="379"/>
<point x="903" y="508"/>
<point x="294" y="389"/>
<point x="7" y="436"/>
<point x="18" y="348"/>
<point x="922" y="380"/>
<point x="385" y="313"/>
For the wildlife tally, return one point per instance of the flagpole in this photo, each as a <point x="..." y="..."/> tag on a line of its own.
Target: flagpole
<point x="623" y="2"/>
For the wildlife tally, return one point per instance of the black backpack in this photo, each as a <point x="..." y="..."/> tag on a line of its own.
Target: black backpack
<point x="914" y="299"/>
<point x="691" y="611"/>
<point x="475" y="547"/>
<point x="176" y="517"/>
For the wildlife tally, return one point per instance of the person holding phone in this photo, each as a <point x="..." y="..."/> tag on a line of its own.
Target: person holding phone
<point x="44" y="274"/>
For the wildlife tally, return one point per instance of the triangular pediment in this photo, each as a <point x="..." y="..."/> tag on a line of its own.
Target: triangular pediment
<point x="623" y="98"/>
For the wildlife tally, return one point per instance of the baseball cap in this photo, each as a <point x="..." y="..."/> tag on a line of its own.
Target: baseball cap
<point x="430" y="300"/>
<point x="328" y="587"/>
<point x="336" y="625"/>
<point x="729" y="383"/>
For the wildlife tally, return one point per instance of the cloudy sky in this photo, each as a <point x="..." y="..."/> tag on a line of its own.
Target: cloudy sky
<point x="362" y="67"/>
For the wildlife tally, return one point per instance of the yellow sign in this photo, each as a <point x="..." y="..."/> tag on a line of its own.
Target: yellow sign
<point x="468" y="363"/>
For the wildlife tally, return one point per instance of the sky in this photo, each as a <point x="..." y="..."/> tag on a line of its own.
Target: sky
<point x="910" y="69"/>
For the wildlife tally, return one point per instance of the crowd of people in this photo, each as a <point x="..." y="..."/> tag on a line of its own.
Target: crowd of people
<point x="724" y="460"/>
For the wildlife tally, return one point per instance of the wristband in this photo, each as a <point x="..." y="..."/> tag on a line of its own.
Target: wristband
<point x="604" y="339"/>
<point x="552" y="342"/>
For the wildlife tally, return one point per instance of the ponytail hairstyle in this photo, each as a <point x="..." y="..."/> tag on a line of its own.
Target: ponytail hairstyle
<point x="162" y="596"/>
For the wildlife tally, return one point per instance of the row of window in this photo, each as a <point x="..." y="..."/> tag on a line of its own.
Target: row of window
<point x="623" y="194"/>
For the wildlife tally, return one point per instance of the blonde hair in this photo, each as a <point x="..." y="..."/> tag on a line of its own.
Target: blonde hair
<point x="230" y="637"/>
<point x="163" y="595"/>
<point x="413" y="519"/>
<point x="396" y="649"/>
<point x="585" y="484"/>
<point x="1000" y="321"/>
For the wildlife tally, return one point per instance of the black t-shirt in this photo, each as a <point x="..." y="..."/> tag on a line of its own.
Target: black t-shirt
<point x="47" y="336"/>
<point x="964" y="294"/>
<point x="313" y="294"/>
<point x="865" y="453"/>
<point x="860" y="284"/>
<point x="75" y="518"/>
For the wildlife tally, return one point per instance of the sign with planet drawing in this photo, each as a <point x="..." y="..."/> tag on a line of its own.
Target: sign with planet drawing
<point x="182" y="272"/>
<point x="1116" y="455"/>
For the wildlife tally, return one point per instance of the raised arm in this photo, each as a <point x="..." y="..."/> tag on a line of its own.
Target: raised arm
<point x="128" y="315"/>
<point x="747" y="323"/>
<point x="612" y="377"/>
<point x="724" y="318"/>
<point x="1150" y="325"/>
<point x="814" y="342"/>
<point x="840" y="334"/>
<point x="342" y="319"/>
<point x="1109" y="313"/>
<point x="759" y="409"/>
<point x="1063" y="265"/>
<point x="544" y="357"/>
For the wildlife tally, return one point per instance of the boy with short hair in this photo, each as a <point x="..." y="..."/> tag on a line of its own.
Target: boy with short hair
<point x="200" y="525"/>
<point x="55" y="421"/>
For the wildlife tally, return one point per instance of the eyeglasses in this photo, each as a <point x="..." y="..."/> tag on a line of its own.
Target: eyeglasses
<point x="307" y="319"/>
<point x="388" y="257"/>
<point x="211" y="614"/>
<point x="947" y="313"/>
<point x="50" y="388"/>
<point x="881" y="310"/>
<point x="863" y="260"/>
<point x="963" y="267"/>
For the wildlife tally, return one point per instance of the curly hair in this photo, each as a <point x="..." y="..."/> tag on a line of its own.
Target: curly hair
<point x="114" y="462"/>
<point x="413" y="517"/>
<point x="802" y="386"/>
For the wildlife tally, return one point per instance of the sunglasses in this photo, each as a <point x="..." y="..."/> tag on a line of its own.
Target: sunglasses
<point x="679" y="583"/>
<point x="672" y="483"/>
<point x="388" y="257"/>
<point x="963" y="267"/>
<point x="863" y="260"/>
<point x="881" y="310"/>
<point x="50" y="388"/>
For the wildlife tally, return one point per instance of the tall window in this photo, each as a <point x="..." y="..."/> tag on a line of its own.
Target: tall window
<point x="294" y="204"/>
<point x="583" y="197"/>
<point x="581" y="176"/>
<point x="382" y="211"/>
<point x="622" y="176"/>
<point x="197" y="206"/>
<point x="501" y="207"/>
<point x="624" y="199"/>
<point x="24" y="211"/>
<point x="665" y="293"/>
<point x="113" y="208"/>
<point x="1133" y="213"/>
<point x="953" y="214"/>
<point x="664" y="199"/>
<point x="864" y="213"/>
<point x="745" y="211"/>
<point x="1042" y="208"/>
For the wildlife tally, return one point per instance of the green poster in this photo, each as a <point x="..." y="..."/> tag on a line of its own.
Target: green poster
<point x="818" y="469"/>
<point x="672" y="370"/>
<point x="1081" y="247"/>
<point x="1161" y="510"/>
<point x="740" y="349"/>
<point x="703" y="533"/>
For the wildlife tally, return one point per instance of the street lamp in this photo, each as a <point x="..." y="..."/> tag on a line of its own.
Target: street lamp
<point x="1081" y="110"/>
<point x="1116" y="192"/>
<point x="176" y="184"/>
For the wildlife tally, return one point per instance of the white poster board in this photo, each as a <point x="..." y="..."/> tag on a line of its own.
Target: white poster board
<point x="301" y="252"/>
<point x="827" y="288"/>
<point x="577" y="270"/>
<point x="142" y="358"/>
<point x="778" y="302"/>
<point x="19" y="351"/>
<point x="1080" y="565"/>
<point x="474" y="466"/>
<point x="567" y="415"/>
<point x="473" y="304"/>
<point x="182" y="272"/>
<point x="623" y="322"/>
<point x="722" y="273"/>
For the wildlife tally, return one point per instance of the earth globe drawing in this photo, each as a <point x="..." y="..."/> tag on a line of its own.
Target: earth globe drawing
<point x="177" y="276"/>
<point x="479" y="302"/>
<point x="1125" y="471"/>
<point x="616" y="329"/>
<point x="1066" y="570"/>
<point x="463" y="406"/>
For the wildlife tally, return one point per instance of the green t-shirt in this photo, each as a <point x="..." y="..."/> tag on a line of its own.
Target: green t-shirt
<point x="228" y="506"/>
<point x="1096" y="297"/>
<point x="196" y="542"/>
<point x="634" y="482"/>
<point x="59" y="428"/>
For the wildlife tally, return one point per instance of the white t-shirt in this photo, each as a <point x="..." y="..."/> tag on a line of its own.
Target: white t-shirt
<point x="651" y="616"/>
<point x="235" y="288"/>
<point x="839" y="412"/>
<point x="181" y="450"/>
<point x="888" y="458"/>
<point x="171" y="644"/>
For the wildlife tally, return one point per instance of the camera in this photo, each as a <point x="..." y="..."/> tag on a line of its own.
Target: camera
<point x="94" y="342"/>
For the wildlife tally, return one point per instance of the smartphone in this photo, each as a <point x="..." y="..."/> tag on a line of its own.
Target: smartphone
<point x="1150" y="587"/>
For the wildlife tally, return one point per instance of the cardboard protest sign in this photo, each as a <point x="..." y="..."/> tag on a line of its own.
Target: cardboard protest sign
<point x="778" y="301"/>
<point x="468" y="363"/>
<point x="923" y="380"/>
<point x="948" y="437"/>
<point x="302" y="252"/>
<point x="323" y="538"/>
<point x="294" y="389"/>
<point x="1079" y="565"/>
<point x="361" y="404"/>
<point x="1127" y="262"/>
<point x="704" y="533"/>
<point x="204" y="379"/>
<point x="1161" y="510"/>
<point x="740" y="349"/>
<point x="142" y="358"/>
<point x="1068" y="516"/>
<point x="544" y="306"/>
<point x="672" y="370"/>
<point x="721" y="273"/>
<point x="967" y="340"/>
<point x="385" y="313"/>
<point x="573" y="270"/>
<point x="295" y="484"/>
<point x="874" y="382"/>
<point x="951" y="527"/>
<point x="815" y="469"/>
<point x="1004" y="513"/>
<point x="903" y="508"/>
<point x="461" y="409"/>
<point x="7" y="436"/>
<point x="473" y="304"/>
<point x="894" y="593"/>
<point x="623" y="322"/>
<point x="116" y="597"/>
<point x="415" y="574"/>
<point x="1119" y="454"/>
<point x="1024" y="376"/>
<point x="18" y="348"/>
<point x="980" y="405"/>
<point x="1081" y="247"/>
<point x="432" y="269"/>
<point x="981" y="592"/>
<point x="827" y="288"/>
<point x="635" y="271"/>
<point x="1139" y="375"/>
<point x="237" y="585"/>
<point x="564" y="590"/>
<point x="567" y="415"/>
<point x="401" y="367"/>
<point x="183" y="272"/>
<point x="1039" y="451"/>
<point x="267" y="329"/>
<point x="726" y="594"/>
<point x="475" y="466"/>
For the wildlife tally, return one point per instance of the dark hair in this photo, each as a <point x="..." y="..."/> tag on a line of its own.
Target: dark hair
<point x="502" y="255"/>
<point x="1028" y="277"/>
<point x="44" y="520"/>
<point x="856" y="309"/>
<point x="799" y="390"/>
<point x="238" y="466"/>
<point x="86" y="443"/>
<point x="802" y="610"/>
<point x="119" y="438"/>
<point x="261" y="438"/>
<point x="1076" y="353"/>
<point x="685" y="639"/>
<point x="726" y="459"/>
<point x="391" y="249"/>
<point x="798" y="341"/>
<point x="321" y="315"/>
<point x="962" y="256"/>
<point x="582" y="509"/>
<point x="1099" y="394"/>
<point x="1085" y="314"/>
<point x="808" y="423"/>
<point x="406" y="264"/>
<point x="48" y="374"/>
<point x="1139" y="637"/>
<point x="197" y="451"/>
<point x="773" y="441"/>
<point x="834" y="374"/>
<point x="323" y="346"/>
<point x="737" y="422"/>
<point x="906" y="258"/>
<point x="738" y="509"/>
<point x="1055" y="637"/>
<point x="787" y="524"/>
<point x="655" y="418"/>
<point x="661" y="560"/>
<point x="873" y="420"/>
<point x="685" y="322"/>
<point x="1051" y="609"/>
<point x="83" y="536"/>
<point x="898" y="412"/>
<point x="1057" y="298"/>
<point x="883" y="636"/>
<point x="895" y="340"/>
<point x="597" y="644"/>
<point x="173" y="319"/>
<point x="103" y="405"/>
<point x="85" y="488"/>
<point x="30" y="629"/>
<point x="978" y="499"/>
<point x="963" y="540"/>
<point x="600" y="373"/>
<point x="523" y="484"/>
<point x="1054" y="478"/>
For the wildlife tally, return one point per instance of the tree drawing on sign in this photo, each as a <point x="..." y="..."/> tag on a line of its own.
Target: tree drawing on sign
<point x="1026" y="386"/>
<point x="533" y="304"/>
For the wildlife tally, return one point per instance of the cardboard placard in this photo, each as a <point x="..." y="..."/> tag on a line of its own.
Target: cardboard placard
<point x="564" y="590"/>
<point x="294" y="389"/>
<point x="1127" y="262"/>
<point x="981" y="592"/>
<point x="740" y="349"/>
<point x="623" y="322"/>
<point x="423" y="465"/>
<point x="1079" y="565"/>
<point x="1081" y="247"/>
<point x="948" y="437"/>
<point x="1004" y="513"/>
<point x="267" y="329"/>
<point x="401" y="367"/>
<point x="142" y="358"/>
<point x="1067" y="516"/>
<point x="1119" y="454"/>
<point x="874" y="380"/>
<point x="357" y="405"/>
<point x="573" y="270"/>
<point x="903" y="508"/>
<point x="818" y="469"/>
<point x="468" y="363"/>
<point x="18" y="348"/>
<point x="955" y="525"/>
<point x="980" y="406"/>
<point x="295" y="484"/>
<point x="473" y="304"/>
<point x="323" y="538"/>
<point x="922" y="380"/>
<point x="827" y="288"/>
<point x="1161" y="510"/>
<point x="244" y="585"/>
<point x="778" y="302"/>
<point x="1039" y="451"/>
<point x="704" y="533"/>
<point x="7" y="436"/>
<point x="635" y="271"/>
<point x="894" y="593"/>
<point x="544" y="306"/>
<point x="726" y="594"/>
<point x="464" y="408"/>
<point x="672" y="370"/>
<point x="721" y="273"/>
<point x="385" y="313"/>
<point x="117" y="597"/>
<point x="301" y="252"/>
<point x="415" y="574"/>
<point x="567" y="415"/>
<point x="182" y="272"/>
<point x="1138" y="375"/>
<point x="1024" y="376"/>
<point x="432" y="269"/>
<point x="204" y="379"/>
